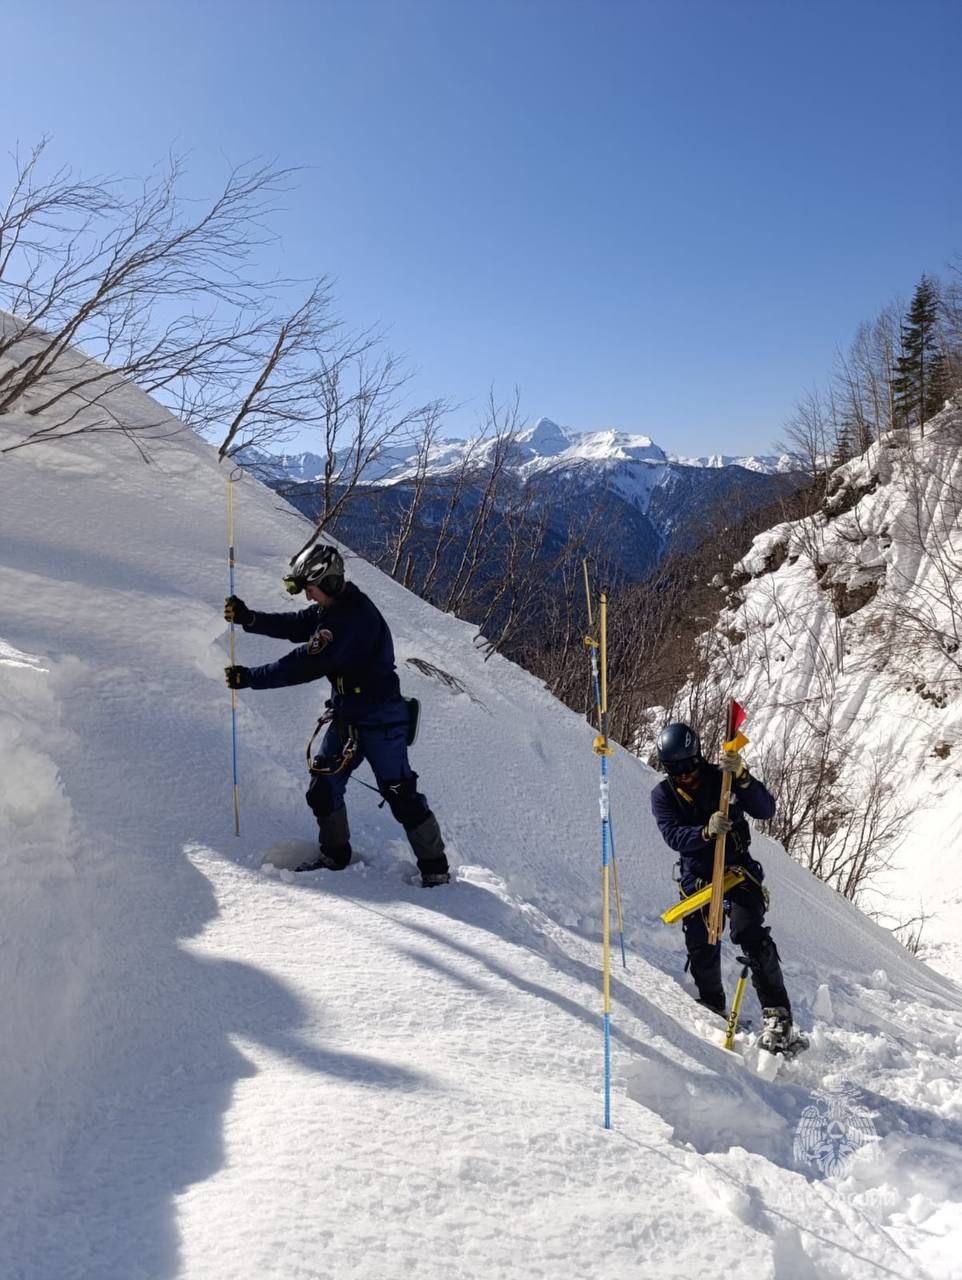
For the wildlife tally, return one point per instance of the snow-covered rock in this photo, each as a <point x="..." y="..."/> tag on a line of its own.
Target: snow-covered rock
<point x="852" y="619"/>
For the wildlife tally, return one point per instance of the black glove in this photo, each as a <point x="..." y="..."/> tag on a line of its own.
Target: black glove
<point x="237" y="677"/>
<point x="235" y="610"/>
<point x="718" y="825"/>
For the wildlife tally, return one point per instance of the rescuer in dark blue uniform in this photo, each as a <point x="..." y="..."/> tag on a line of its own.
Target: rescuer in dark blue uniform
<point x="343" y="636"/>
<point x="685" y="806"/>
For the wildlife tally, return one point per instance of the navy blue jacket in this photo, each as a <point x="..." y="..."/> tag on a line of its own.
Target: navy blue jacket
<point x="348" y="642"/>
<point x="682" y="816"/>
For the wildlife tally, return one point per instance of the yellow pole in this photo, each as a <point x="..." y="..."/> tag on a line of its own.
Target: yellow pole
<point x="716" y="908"/>
<point x="716" y="918"/>
<point x="603" y="751"/>
<point x="603" y="711"/>
<point x="736" y="1006"/>
<point x="231" y="479"/>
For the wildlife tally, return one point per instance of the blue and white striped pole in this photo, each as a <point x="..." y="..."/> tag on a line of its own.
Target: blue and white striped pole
<point x="603" y="751"/>
<point x="603" y="725"/>
<point x="606" y="934"/>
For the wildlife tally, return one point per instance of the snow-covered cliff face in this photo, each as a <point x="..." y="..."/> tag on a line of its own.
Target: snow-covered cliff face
<point x="843" y="636"/>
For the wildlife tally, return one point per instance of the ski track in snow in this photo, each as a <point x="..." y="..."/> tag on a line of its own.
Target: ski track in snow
<point x="212" y="1068"/>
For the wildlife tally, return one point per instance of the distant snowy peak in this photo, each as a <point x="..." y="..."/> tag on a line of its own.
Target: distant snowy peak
<point x="547" y="440"/>
<point x="309" y="468"/>
<point x="766" y="463"/>
<point x="634" y="458"/>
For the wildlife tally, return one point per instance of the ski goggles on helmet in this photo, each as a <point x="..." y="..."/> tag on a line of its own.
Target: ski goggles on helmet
<point x="294" y="582"/>
<point x="675" y="768"/>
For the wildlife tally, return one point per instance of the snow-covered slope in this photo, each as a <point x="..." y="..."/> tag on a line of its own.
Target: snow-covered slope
<point x="211" y="1070"/>
<point x="847" y="628"/>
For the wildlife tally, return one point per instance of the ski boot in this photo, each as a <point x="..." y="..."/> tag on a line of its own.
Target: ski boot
<point x="322" y="863"/>
<point x="428" y="845"/>
<point x="777" y="1035"/>
<point x="431" y="881"/>
<point x="335" y="839"/>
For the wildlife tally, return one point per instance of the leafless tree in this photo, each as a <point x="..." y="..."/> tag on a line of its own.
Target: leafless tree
<point x="925" y="614"/>
<point x="282" y="395"/>
<point x="515" y="603"/>
<point x="454" y="486"/>
<point x="400" y="541"/>
<point x="809" y="435"/>
<point x="500" y="434"/>
<point x="160" y="291"/>
<point x="952" y="327"/>
<point x="841" y="817"/>
<point x="911" y="932"/>
<point x="354" y="401"/>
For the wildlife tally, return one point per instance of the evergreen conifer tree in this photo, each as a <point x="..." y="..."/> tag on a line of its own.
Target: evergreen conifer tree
<point x="847" y="442"/>
<point x="920" y="382"/>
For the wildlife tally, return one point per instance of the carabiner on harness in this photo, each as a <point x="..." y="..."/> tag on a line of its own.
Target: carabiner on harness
<point x="327" y="765"/>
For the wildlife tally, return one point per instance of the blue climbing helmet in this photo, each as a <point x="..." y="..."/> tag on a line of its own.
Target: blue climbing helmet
<point x="679" y="749"/>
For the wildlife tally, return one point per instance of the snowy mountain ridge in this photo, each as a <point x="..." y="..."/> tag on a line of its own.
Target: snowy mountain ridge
<point x="544" y="445"/>
<point x="652" y="503"/>
<point x="212" y="1069"/>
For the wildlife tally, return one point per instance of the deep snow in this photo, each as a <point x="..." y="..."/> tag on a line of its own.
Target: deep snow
<point x="213" y="1069"/>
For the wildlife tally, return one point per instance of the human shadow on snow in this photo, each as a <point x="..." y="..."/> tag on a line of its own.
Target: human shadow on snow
<point x="135" y="1086"/>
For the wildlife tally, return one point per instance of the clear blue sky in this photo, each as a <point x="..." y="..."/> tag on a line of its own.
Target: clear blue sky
<point x="656" y="216"/>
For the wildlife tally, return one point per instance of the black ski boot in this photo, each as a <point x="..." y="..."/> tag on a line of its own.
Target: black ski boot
<point x="335" y="837"/>
<point x="428" y="845"/>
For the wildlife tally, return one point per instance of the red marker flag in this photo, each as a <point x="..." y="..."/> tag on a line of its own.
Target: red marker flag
<point x="735" y="739"/>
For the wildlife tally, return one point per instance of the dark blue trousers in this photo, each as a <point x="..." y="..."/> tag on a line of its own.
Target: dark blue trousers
<point x="384" y="746"/>
<point x="746" y="906"/>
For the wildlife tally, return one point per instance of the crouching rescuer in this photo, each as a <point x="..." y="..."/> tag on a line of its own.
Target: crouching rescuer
<point x="343" y="636"/>
<point x="686" y="807"/>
